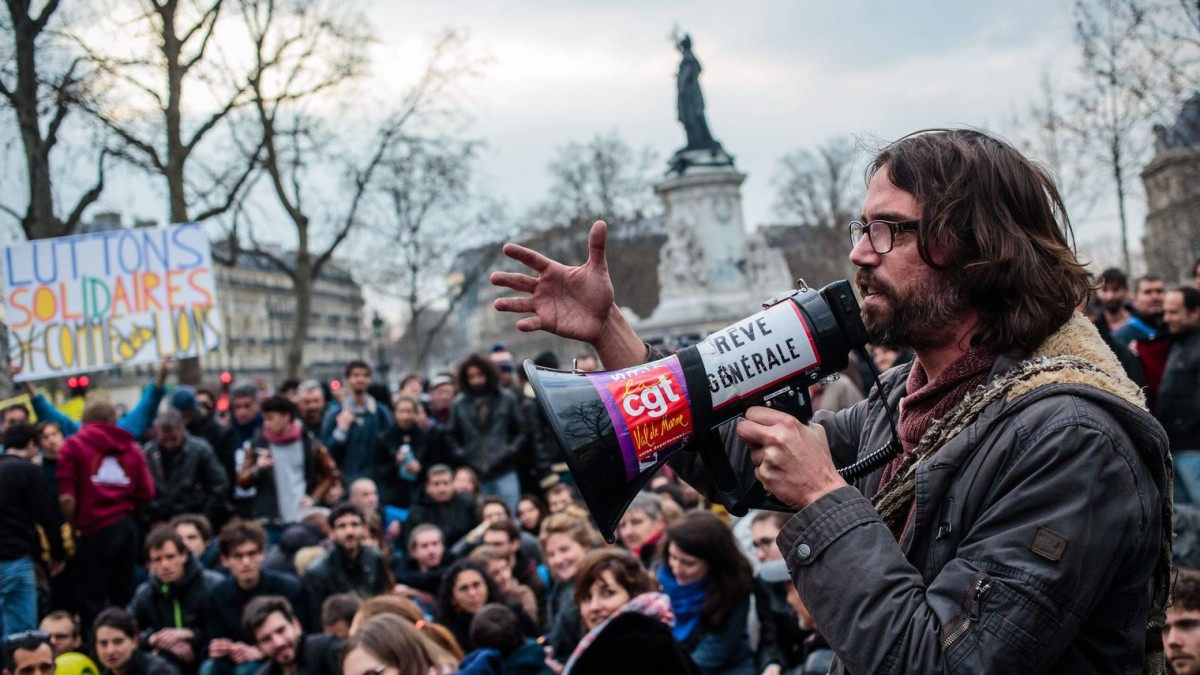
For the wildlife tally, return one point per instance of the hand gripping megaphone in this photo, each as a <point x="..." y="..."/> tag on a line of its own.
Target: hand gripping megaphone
<point x="617" y="428"/>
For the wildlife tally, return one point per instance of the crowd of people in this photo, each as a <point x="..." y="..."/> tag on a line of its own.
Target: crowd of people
<point x="438" y="529"/>
<point x="251" y="531"/>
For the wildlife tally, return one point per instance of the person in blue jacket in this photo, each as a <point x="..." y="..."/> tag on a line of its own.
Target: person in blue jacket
<point x="353" y="425"/>
<point x="137" y="421"/>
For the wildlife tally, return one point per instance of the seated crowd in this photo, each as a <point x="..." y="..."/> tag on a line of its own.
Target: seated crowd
<point x="433" y="530"/>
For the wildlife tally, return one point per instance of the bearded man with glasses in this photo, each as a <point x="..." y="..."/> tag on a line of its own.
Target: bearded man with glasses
<point x="1026" y="524"/>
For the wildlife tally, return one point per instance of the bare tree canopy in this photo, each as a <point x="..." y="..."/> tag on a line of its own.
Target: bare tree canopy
<point x="820" y="187"/>
<point x="306" y="54"/>
<point x="603" y="178"/>
<point x="427" y="212"/>
<point x="165" y="94"/>
<point x="41" y="91"/>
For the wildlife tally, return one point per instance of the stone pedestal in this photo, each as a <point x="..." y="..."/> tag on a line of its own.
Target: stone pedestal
<point x="703" y="265"/>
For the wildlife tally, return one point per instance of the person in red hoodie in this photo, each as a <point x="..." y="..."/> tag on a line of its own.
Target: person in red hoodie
<point x="102" y="482"/>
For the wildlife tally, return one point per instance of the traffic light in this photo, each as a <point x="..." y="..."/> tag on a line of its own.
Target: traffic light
<point x="78" y="386"/>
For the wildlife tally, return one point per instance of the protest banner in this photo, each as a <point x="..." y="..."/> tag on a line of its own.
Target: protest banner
<point x="94" y="301"/>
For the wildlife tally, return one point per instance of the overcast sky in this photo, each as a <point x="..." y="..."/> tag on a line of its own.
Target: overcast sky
<point x="778" y="75"/>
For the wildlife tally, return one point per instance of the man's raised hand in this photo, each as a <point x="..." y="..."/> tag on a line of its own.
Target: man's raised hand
<point x="571" y="302"/>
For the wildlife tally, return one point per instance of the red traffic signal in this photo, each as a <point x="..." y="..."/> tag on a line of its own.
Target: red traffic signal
<point x="335" y="385"/>
<point x="84" y="381"/>
<point x="226" y="378"/>
<point x="72" y="382"/>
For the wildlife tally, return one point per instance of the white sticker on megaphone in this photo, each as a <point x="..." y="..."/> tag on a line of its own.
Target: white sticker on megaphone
<point x="757" y="352"/>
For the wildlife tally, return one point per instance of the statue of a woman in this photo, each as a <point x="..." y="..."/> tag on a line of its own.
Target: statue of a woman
<point x="691" y="100"/>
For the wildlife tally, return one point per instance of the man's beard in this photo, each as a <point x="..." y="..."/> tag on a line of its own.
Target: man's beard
<point x="1114" y="305"/>
<point x="286" y="655"/>
<point x="917" y="321"/>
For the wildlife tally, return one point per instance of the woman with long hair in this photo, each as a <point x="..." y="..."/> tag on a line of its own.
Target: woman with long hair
<point x="624" y="615"/>
<point x="388" y="641"/>
<point x="531" y="511"/>
<point x="708" y="580"/>
<point x="406" y="609"/>
<point x="466" y="588"/>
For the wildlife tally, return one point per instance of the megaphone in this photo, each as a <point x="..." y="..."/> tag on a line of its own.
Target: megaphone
<point x="617" y="428"/>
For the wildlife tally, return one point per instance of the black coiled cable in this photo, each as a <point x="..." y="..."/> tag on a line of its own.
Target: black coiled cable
<point x="882" y="455"/>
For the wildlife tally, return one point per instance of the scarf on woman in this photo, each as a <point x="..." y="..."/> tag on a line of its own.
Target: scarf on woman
<point x="286" y="438"/>
<point x="657" y="606"/>
<point x="686" y="601"/>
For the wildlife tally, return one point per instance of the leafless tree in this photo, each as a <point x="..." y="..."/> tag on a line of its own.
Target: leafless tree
<point x="41" y="96"/>
<point x="818" y="187"/>
<point x="429" y="213"/>
<point x="1047" y="132"/>
<point x="603" y="178"/>
<point x="306" y="53"/>
<point x="1114" y="107"/>
<point x="817" y="195"/>
<point x="169" y="93"/>
<point x="1168" y="31"/>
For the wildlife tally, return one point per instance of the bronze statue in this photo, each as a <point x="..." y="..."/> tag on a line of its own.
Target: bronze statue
<point x="691" y="100"/>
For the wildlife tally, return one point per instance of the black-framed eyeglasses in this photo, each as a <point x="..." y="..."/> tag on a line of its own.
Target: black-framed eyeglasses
<point x="881" y="233"/>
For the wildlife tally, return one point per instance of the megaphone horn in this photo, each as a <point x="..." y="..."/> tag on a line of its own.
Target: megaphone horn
<point x="617" y="428"/>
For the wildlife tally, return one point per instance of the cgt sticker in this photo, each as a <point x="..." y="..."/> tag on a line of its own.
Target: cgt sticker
<point x="649" y="407"/>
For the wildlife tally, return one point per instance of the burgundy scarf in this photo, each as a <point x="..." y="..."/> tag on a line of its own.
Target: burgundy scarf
<point x="927" y="401"/>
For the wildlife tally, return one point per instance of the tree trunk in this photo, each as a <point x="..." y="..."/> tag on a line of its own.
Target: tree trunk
<point x="302" y="289"/>
<point x="1119" y="178"/>
<point x="39" y="221"/>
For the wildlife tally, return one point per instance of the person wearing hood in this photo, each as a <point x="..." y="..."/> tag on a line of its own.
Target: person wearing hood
<point x="103" y="481"/>
<point x="200" y="420"/>
<point x="137" y="421"/>
<point x="169" y="606"/>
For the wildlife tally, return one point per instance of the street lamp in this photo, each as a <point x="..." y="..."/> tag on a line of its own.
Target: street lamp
<point x="381" y="357"/>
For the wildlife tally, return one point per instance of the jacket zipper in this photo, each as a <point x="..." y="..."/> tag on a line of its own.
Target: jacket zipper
<point x="943" y="531"/>
<point x="981" y="588"/>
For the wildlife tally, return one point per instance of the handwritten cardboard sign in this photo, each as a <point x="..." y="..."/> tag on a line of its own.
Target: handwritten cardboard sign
<point x="95" y="301"/>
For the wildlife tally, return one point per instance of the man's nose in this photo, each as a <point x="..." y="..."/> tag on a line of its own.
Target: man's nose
<point x="863" y="255"/>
